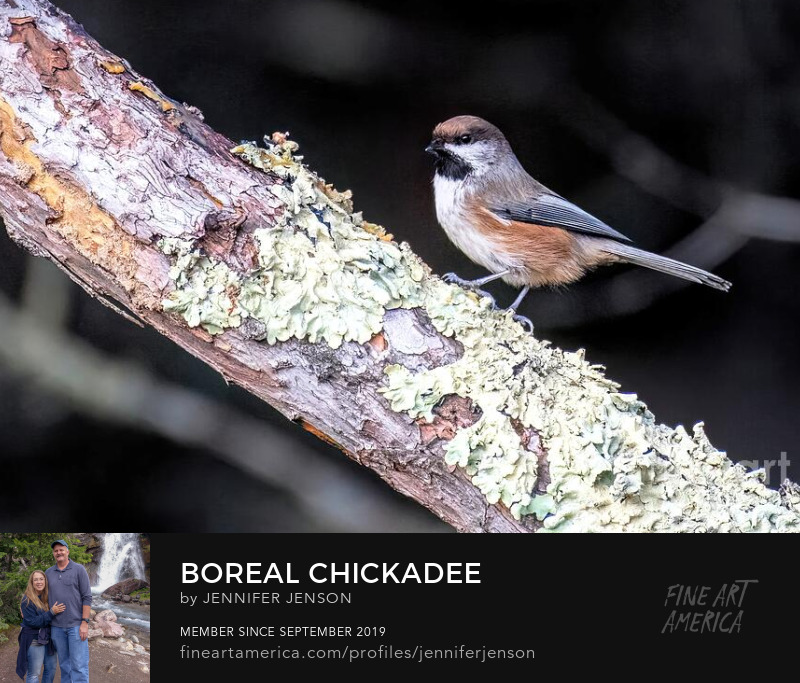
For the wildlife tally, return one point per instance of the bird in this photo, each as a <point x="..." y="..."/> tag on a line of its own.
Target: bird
<point x="519" y="230"/>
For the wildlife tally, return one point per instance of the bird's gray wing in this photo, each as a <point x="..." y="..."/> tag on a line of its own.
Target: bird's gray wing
<point x="555" y="211"/>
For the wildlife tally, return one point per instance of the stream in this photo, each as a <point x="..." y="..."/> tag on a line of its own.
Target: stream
<point x="122" y="559"/>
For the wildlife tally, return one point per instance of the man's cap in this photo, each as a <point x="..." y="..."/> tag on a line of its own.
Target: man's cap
<point x="58" y="540"/>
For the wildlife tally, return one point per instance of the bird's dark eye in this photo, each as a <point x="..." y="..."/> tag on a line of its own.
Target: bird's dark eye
<point x="465" y="139"/>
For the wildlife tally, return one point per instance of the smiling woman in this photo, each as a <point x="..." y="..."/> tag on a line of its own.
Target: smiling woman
<point x="36" y="652"/>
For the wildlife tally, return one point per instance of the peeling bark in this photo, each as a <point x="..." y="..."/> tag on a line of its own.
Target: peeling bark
<point x="453" y="413"/>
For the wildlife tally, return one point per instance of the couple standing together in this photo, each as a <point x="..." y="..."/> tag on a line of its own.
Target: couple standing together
<point x="55" y="621"/>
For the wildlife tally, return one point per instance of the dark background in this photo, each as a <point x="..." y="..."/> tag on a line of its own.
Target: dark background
<point x="650" y="115"/>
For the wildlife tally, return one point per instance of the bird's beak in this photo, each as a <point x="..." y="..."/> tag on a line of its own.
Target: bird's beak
<point x="435" y="147"/>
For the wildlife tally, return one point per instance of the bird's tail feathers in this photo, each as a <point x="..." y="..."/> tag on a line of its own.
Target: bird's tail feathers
<point x="662" y="264"/>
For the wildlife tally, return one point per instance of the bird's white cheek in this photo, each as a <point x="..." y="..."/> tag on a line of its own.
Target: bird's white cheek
<point x="475" y="155"/>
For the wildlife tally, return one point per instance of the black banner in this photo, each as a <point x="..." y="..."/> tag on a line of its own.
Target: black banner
<point x="247" y="603"/>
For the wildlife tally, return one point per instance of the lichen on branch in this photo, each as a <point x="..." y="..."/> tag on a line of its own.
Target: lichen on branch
<point x="325" y="275"/>
<point x="320" y="275"/>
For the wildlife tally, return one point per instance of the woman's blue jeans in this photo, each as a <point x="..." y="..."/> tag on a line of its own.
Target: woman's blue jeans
<point x="37" y="655"/>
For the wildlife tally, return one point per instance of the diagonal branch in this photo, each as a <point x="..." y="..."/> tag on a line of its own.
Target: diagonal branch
<point x="125" y="393"/>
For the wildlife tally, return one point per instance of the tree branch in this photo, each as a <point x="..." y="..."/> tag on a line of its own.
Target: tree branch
<point x="251" y="263"/>
<point x="126" y="393"/>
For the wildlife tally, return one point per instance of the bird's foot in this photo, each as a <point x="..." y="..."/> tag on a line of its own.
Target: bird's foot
<point x="454" y="279"/>
<point x="472" y="285"/>
<point x="522" y="320"/>
<point x="483" y="293"/>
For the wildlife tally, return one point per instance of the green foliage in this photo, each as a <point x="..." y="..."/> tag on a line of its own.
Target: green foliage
<point x="143" y="593"/>
<point x="20" y="554"/>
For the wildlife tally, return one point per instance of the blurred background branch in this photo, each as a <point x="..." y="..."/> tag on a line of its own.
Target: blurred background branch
<point x="126" y="394"/>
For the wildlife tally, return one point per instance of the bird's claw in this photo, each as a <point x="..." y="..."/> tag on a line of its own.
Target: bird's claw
<point x="454" y="279"/>
<point x="525" y="322"/>
<point x="485" y="294"/>
<point x="470" y="285"/>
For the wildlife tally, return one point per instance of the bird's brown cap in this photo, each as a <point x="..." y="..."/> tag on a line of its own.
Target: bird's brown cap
<point x="454" y="130"/>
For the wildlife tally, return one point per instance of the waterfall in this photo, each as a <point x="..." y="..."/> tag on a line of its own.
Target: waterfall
<point x="122" y="559"/>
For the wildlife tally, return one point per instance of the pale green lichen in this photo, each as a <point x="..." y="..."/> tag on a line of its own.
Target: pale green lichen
<point x="205" y="289"/>
<point x="611" y="466"/>
<point x="323" y="274"/>
<point x="491" y="452"/>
